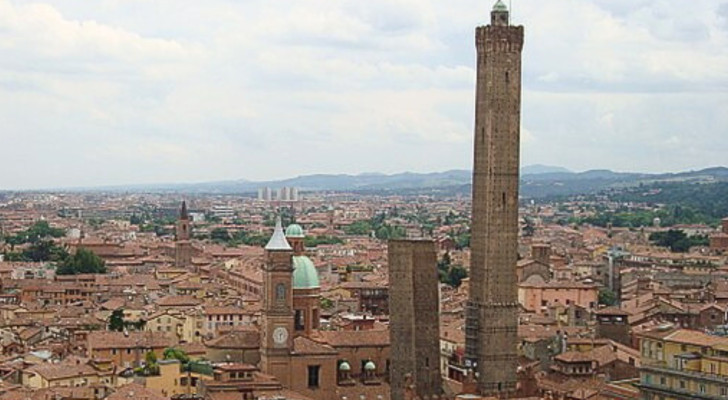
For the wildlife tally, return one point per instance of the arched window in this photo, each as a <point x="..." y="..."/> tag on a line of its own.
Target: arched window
<point x="280" y="292"/>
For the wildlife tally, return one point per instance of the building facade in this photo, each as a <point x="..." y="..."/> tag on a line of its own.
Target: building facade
<point x="683" y="364"/>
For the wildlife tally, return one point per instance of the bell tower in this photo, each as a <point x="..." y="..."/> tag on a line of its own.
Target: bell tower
<point x="277" y="330"/>
<point x="182" y="246"/>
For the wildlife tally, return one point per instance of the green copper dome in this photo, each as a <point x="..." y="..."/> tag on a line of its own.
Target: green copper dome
<point x="294" y="231"/>
<point x="370" y="366"/>
<point x="500" y="6"/>
<point x="304" y="273"/>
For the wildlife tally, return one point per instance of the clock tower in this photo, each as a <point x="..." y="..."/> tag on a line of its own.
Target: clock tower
<point x="277" y="330"/>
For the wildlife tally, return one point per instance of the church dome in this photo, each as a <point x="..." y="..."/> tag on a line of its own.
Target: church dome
<point x="370" y="366"/>
<point x="304" y="273"/>
<point x="500" y="6"/>
<point x="294" y="231"/>
<point x="345" y="367"/>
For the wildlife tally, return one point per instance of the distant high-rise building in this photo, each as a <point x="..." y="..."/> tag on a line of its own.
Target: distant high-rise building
<point x="492" y="310"/>
<point x="182" y="246"/>
<point x="414" y="318"/>
<point x="265" y="194"/>
<point x="285" y="193"/>
<point x="293" y="194"/>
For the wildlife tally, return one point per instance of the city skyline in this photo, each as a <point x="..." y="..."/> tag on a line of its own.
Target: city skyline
<point x="111" y="94"/>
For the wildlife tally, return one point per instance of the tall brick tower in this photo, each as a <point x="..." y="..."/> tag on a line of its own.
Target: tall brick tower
<point x="414" y="318"/>
<point x="491" y="319"/>
<point x="277" y="329"/>
<point x="182" y="246"/>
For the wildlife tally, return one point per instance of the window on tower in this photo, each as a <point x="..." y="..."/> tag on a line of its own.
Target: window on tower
<point x="299" y="324"/>
<point x="313" y="376"/>
<point x="280" y="292"/>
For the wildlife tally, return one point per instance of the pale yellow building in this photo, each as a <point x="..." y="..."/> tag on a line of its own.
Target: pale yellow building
<point x="683" y="364"/>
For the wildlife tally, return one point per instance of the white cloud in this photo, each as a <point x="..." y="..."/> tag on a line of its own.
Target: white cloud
<point x="177" y="90"/>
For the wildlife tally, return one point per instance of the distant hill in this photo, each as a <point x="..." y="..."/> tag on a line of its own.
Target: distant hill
<point x="537" y="169"/>
<point x="565" y="184"/>
<point x="536" y="181"/>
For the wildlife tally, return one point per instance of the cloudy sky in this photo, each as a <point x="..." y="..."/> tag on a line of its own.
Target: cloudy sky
<point x="135" y="91"/>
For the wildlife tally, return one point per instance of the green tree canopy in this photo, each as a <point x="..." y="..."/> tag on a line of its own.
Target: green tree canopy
<point x="358" y="228"/>
<point x="83" y="262"/>
<point x="677" y="240"/>
<point x="116" y="320"/>
<point x="173" y="353"/>
<point x="35" y="233"/>
<point x="607" y="297"/>
<point x="220" y="235"/>
<point x="45" y="250"/>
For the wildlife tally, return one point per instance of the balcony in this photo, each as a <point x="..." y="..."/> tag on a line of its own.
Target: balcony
<point x="673" y="392"/>
<point x="662" y="368"/>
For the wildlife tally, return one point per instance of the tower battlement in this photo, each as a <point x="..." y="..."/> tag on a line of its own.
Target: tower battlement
<point x="499" y="38"/>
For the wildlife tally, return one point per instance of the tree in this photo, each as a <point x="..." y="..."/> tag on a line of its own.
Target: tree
<point x="116" y="320"/>
<point x="172" y="353"/>
<point x="528" y="229"/>
<point x="150" y="358"/>
<point x="83" y="262"/>
<point x="37" y="232"/>
<point x="45" y="250"/>
<point x="462" y="240"/>
<point x="326" y="304"/>
<point x="310" y="241"/>
<point x="358" y="228"/>
<point x="452" y="275"/>
<point x="607" y="297"/>
<point x="220" y="235"/>
<point x="151" y="366"/>
<point x="456" y="275"/>
<point x="14" y="256"/>
<point x="677" y="240"/>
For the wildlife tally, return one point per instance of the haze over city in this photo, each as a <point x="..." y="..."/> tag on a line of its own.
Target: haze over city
<point x="120" y="92"/>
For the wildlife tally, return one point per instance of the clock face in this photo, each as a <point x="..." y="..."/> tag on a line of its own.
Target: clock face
<point x="280" y="335"/>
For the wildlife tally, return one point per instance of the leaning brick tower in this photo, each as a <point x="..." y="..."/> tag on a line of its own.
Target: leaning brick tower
<point x="492" y="312"/>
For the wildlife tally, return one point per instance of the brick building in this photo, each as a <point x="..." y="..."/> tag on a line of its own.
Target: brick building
<point x="414" y="321"/>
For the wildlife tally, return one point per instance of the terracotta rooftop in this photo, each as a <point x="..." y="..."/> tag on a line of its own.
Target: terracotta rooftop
<point x="305" y="346"/>
<point x="237" y="339"/>
<point x="134" y="391"/>
<point x="365" y="338"/>
<point x="119" y="340"/>
<point x="178" y="301"/>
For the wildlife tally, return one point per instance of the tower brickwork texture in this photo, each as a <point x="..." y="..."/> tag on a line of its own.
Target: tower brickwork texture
<point x="183" y="247"/>
<point x="492" y="310"/>
<point x="414" y="318"/>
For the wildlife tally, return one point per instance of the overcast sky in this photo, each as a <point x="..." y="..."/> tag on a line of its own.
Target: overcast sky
<point x="136" y="91"/>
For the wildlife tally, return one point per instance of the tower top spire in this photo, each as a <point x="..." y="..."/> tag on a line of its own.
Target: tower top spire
<point x="278" y="240"/>
<point x="183" y="211"/>
<point x="499" y="16"/>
